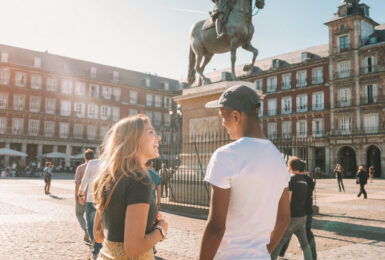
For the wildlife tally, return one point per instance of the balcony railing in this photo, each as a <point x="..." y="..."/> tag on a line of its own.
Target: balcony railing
<point x="361" y="131"/>
<point x="316" y="80"/>
<point x="299" y="109"/>
<point x="343" y="74"/>
<point x="302" y="108"/>
<point x="371" y="69"/>
<point x="285" y="85"/>
<point x="301" y="83"/>
<point x="344" y="103"/>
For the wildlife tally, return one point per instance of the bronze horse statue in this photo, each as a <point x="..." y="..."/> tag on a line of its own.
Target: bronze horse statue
<point x="239" y="32"/>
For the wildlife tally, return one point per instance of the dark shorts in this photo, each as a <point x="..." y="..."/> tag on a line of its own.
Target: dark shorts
<point x="47" y="178"/>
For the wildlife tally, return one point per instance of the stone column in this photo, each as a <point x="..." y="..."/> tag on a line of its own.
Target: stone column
<point x="361" y="155"/>
<point x="23" y="150"/>
<point x="333" y="158"/>
<point x="6" y="158"/>
<point x="68" y="155"/>
<point x="327" y="159"/>
<point x="311" y="161"/>
<point x="39" y="150"/>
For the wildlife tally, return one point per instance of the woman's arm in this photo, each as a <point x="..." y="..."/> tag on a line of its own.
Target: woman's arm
<point x="136" y="241"/>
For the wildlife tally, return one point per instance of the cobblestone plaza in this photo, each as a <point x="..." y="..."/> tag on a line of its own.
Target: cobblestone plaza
<point x="36" y="226"/>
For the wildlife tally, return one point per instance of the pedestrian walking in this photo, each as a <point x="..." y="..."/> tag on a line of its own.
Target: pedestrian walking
<point x="165" y="176"/>
<point x="362" y="179"/>
<point x="371" y="173"/>
<point x="90" y="174"/>
<point x="123" y="191"/>
<point x="47" y="173"/>
<point x="79" y="208"/>
<point x="339" y="176"/>
<point x="297" y="226"/>
<point x="249" y="207"/>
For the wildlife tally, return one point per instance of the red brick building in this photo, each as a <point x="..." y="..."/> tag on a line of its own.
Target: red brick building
<point x="50" y="103"/>
<point x="333" y="93"/>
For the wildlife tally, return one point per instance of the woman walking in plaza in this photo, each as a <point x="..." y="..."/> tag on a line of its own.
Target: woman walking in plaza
<point x="47" y="176"/>
<point x="339" y="176"/>
<point x="362" y="177"/>
<point x="130" y="216"/>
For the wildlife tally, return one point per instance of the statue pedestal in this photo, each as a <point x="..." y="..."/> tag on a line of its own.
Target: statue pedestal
<point x="202" y="135"/>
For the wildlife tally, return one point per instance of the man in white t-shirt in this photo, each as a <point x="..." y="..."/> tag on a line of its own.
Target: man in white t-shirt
<point x="250" y="204"/>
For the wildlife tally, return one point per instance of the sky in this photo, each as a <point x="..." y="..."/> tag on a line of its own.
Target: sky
<point x="152" y="36"/>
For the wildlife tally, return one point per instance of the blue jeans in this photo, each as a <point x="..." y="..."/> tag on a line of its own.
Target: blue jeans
<point x="90" y="216"/>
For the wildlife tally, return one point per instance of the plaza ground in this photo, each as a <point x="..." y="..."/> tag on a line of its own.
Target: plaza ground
<point x="37" y="226"/>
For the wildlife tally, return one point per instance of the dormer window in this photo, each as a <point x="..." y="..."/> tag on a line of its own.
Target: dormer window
<point x="166" y="86"/>
<point x="93" y="72"/>
<point x="37" y="62"/>
<point x="275" y="64"/>
<point x="147" y="82"/>
<point x="343" y="43"/>
<point x="4" y="57"/>
<point x="115" y="76"/>
<point x="305" y="56"/>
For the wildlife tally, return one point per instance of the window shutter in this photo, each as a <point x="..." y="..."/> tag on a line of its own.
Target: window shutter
<point x="375" y="97"/>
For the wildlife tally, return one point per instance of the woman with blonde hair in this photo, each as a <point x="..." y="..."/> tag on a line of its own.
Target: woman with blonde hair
<point x="362" y="178"/>
<point x="129" y="218"/>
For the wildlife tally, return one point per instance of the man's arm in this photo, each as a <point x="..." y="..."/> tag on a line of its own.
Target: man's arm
<point x="216" y="223"/>
<point x="282" y="221"/>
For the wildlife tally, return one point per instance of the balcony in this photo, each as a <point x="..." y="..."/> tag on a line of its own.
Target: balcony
<point x="286" y="110"/>
<point x="301" y="83"/>
<point x="301" y="108"/>
<point x="344" y="103"/>
<point x="316" y="80"/>
<point x="272" y="112"/>
<point x="343" y="74"/>
<point x="318" y="107"/>
<point x="363" y="131"/>
<point x="301" y="134"/>
<point x="371" y="69"/>
<point x="318" y="133"/>
<point x="285" y="85"/>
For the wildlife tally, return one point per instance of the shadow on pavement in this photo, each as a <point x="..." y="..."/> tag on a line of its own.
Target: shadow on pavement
<point x="159" y="258"/>
<point x="55" y="197"/>
<point x="342" y="216"/>
<point x="351" y="230"/>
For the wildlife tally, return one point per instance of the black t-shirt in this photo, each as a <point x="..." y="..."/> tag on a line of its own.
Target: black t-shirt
<point x="309" y="194"/>
<point x="298" y="187"/>
<point x="128" y="192"/>
<point x="338" y="174"/>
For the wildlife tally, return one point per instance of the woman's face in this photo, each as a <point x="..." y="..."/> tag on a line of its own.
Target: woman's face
<point x="149" y="143"/>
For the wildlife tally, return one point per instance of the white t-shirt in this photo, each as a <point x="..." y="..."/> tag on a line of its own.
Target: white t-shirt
<point x="256" y="172"/>
<point x="90" y="174"/>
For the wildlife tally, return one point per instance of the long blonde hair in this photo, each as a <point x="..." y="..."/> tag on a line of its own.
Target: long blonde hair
<point x="121" y="149"/>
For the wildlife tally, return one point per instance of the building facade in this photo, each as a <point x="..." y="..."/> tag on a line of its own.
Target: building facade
<point x="50" y="103"/>
<point x="332" y="93"/>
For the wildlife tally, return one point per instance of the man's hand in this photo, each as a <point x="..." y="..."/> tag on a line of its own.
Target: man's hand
<point x="82" y="200"/>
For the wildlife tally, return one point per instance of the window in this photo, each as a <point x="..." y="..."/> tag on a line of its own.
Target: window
<point x="5" y="75"/>
<point x="106" y="92"/>
<point x="116" y="92"/>
<point x="148" y="114"/>
<point x="3" y="125"/>
<point x="18" y="102"/>
<point x="286" y="105"/>
<point x="259" y="84"/>
<point x="20" y="79"/>
<point x="80" y="88"/>
<point x="157" y="118"/>
<point x="149" y="101"/>
<point x="64" y="130"/>
<point x="3" y="100"/>
<point x="301" y="128"/>
<point x="105" y="112"/>
<point x="318" y="100"/>
<point x="158" y="101"/>
<point x="302" y="103"/>
<point x="345" y="124"/>
<point x="34" y="104"/>
<point x="371" y="123"/>
<point x="343" y="69"/>
<point x="37" y="62"/>
<point x="78" y="131"/>
<point x="115" y="113"/>
<point x="91" y="132"/>
<point x="66" y="86"/>
<point x="272" y="107"/>
<point x="132" y="112"/>
<point x="271" y="84"/>
<point x="260" y="113"/>
<point x="65" y="108"/>
<point x="4" y="57"/>
<point x="93" y="111"/>
<point x="343" y="43"/>
<point x="36" y="81"/>
<point x="103" y="131"/>
<point x="301" y="78"/>
<point x="272" y="130"/>
<point x="369" y="64"/>
<point x="317" y="75"/>
<point x="286" y="81"/>
<point x="93" y="72"/>
<point x="147" y="82"/>
<point x="51" y="84"/>
<point x="33" y="127"/>
<point x="133" y="97"/>
<point x="17" y="126"/>
<point x="50" y="105"/>
<point x="317" y="127"/>
<point x="167" y="119"/>
<point x="94" y="91"/>
<point x="286" y="129"/>
<point x="80" y="109"/>
<point x="167" y="102"/>
<point x="49" y="128"/>
<point x="115" y="76"/>
<point x="344" y="97"/>
<point x="166" y="86"/>
<point x="370" y="94"/>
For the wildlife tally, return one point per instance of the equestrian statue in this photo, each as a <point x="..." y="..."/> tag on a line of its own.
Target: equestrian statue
<point x="229" y="27"/>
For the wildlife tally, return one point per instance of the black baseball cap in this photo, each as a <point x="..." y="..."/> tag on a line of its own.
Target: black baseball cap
<point x="238" y="97"/>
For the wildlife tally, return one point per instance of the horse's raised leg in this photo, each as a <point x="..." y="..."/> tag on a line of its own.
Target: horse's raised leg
<point x="206" y="60"/>
<point x="250" y="48"/>
<point x="233" y="58"/>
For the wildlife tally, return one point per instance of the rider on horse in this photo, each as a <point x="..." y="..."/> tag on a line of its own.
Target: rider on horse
<point x="220" y="14"/>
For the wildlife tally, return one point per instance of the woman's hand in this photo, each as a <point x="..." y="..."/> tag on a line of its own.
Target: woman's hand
<point x="163" y="223"/>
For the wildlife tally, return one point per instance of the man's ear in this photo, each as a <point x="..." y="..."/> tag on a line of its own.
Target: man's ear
<point x="236" y="115"/>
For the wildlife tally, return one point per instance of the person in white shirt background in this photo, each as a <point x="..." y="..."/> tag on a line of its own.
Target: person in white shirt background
<point x="250" y="203"/>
